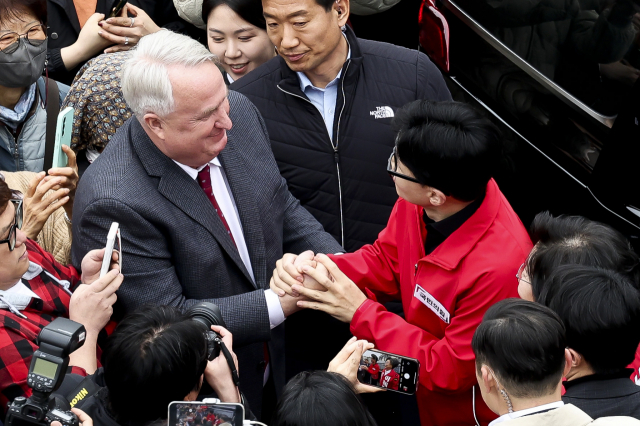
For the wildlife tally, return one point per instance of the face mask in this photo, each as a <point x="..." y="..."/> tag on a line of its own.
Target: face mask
<point x="23" y="67"/>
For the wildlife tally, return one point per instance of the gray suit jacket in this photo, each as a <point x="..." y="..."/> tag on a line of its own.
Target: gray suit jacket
<point x="176" y="250"/>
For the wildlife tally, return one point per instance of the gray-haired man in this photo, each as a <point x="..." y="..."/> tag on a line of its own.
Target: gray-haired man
<point x="203" y="211"/>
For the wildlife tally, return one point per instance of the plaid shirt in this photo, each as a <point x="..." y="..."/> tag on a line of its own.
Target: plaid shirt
<point x="18" y="335"/>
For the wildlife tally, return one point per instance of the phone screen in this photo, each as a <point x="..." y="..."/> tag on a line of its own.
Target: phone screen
<point x="205" y="414"/>
<point x="389" y="371"/>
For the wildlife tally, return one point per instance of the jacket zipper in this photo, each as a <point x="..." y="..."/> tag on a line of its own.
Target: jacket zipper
<point x="336" y="154"/>
<point x="16" y="153"/>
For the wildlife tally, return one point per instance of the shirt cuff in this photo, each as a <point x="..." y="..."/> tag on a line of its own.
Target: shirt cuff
<point x="276" y="314"/>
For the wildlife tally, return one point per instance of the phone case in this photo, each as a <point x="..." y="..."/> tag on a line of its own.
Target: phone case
<point x="64" y="128"/>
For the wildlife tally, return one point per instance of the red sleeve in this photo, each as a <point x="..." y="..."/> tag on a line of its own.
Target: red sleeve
<point x="51" y="265"/>
<point x="375" y="266"/>
<point x="374" y="369"/>
<point x="395" y="380"/>
<point x="15" y="355"/>
<point x="447" y="363"/>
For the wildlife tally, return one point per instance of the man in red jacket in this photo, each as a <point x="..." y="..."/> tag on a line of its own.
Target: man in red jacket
<point x="451" y="249"/>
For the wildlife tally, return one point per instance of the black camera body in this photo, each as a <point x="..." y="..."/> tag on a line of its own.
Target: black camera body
<point x="48" y="367"/>
<point x="208" y="314"/>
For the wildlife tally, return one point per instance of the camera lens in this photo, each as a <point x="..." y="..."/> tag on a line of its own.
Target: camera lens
<point x="206" y="313"/>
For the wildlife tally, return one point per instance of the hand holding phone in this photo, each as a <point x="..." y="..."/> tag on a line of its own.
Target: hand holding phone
<point x="113" y="243"/>
<point x="64" y="128"/>
<point x="385" y="370"/>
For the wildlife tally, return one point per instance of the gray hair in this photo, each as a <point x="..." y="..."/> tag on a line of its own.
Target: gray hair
<point x="145" y="75"/>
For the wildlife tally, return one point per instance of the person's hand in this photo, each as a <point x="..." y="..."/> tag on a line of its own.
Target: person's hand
<point x="37" y="208"/>
<point x="88" y="44"/>
<point x="217" y="372"/>
<point x="92" y="263"/>
<point x="83" y="417"/>
<point x="117" y="29"/>
<point x="621" y="72"/>
<point x="288" y="272"/>
<point x="342" y="298"/>
<point x="347" y="363"/>
<point x="67" y="177"/>
<point x="92" y="304"/>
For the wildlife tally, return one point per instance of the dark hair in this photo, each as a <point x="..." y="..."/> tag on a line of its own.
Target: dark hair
<point x="577" y="240"/>
<point x="449" y="146"/>
<point x="11" y="9"/>
<point x="5" y="194"/>
<point x="249" y="10"/>
<point x="319" y="398"/>
<point x="394" y="362"/>
<point x="523" y="343"/>
<point x="601" y="311"/>
<point x="156" y="355"/>
<point x="374" y="356"/>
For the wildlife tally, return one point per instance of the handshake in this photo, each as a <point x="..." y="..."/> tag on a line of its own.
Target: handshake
<point x="308" y="281"/>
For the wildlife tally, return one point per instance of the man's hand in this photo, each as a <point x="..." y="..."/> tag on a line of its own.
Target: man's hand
<point x="92" y="263"/>
<point x="342" y="298"/>
<point x="116" y="29"/>
<point x="347" y="363"/>
<point x="83" y="417"/>
<point x="92" y="304"/>
<point x="67" y="178"/>
<point x="217" y="372"/>
<point x="37" y="208"/>
<point x="287" y="274"/>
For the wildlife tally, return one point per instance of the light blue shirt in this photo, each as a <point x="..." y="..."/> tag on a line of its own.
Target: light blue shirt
<point x="324" y="99"/>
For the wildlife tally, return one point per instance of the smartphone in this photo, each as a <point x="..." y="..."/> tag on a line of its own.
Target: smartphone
<point x="64" y="128"/>
<point x="205" y="414"/>
<point x="117" y="9"/>
<point x="114" y="242"/>
<point x="389" y="371"/>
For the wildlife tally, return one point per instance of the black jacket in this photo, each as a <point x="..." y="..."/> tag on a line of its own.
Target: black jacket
<point x="601" y="395"/>
<point x="64" y="28"/>
<point x="347" y="187"/>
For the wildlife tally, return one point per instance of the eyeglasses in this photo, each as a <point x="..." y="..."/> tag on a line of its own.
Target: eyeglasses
<point x="392" y="166"/>
<point x="519" y="274"/>
<point x="17" y="224"/>
<point x="35" y="36"/>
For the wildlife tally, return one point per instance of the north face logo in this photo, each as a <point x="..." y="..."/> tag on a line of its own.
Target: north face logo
<point x="382" y="112"/>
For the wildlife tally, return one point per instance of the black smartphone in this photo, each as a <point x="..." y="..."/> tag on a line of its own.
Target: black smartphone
<point x="205" y="414"/>
<point x="389" y="371"/>
<point x="117" y="9"/>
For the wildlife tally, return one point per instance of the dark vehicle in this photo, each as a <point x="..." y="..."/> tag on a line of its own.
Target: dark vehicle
<point x="560" y="78"/>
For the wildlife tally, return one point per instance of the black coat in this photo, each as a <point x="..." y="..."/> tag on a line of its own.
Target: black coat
<point x="354" y="203"/>
<point x="64" y="28"/>
<point x="601" y="395"/>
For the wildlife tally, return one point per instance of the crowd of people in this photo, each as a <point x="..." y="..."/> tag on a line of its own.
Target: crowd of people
<point x="248" y="165"/>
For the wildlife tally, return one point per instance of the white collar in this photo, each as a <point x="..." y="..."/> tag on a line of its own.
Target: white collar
<point x="520" y="413"/>
<point x="193" y="173"/>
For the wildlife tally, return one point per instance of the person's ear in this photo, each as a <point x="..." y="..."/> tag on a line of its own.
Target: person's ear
<point x="488" y="381"/>
<point x="571" y="359"/>
<point x="155" y="124"/>
<point x="436" y="197"/>
<point x="341" y="8"/>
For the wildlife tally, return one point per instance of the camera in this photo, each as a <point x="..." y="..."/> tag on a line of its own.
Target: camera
<point x="209" y="314"/>
<point x="48" y="368"/>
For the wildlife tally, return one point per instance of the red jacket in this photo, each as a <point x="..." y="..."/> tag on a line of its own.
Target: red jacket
<point x="444" y="296"/>
<point x="389" y="379"/>
<point x="374" y="369"/>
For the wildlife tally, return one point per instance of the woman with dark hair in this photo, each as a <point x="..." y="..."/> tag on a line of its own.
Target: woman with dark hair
<point x="237" y="35"/>
<point x="320" y="398"/>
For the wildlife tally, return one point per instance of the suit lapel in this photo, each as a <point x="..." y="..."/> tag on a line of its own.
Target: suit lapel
<point x="182" y="191"/>
<point x="241" y="187"/>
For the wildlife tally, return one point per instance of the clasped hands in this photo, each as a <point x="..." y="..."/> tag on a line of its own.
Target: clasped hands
<point x="309" y="281"/>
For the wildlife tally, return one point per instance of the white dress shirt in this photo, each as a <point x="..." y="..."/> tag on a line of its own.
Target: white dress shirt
<point x="520" y="413"/>
<point x="224" y="197"/>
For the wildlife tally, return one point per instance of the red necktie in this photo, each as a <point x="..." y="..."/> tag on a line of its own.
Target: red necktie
<point x="204" y="180"/>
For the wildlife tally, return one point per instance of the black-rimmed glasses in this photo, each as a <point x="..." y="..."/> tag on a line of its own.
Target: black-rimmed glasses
<point x="392" y="166"/>
<point x="17" y="224"/>
<point x="35" y="36"/>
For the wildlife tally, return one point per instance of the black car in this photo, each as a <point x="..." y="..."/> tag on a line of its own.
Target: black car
<point x="560" y="78"/>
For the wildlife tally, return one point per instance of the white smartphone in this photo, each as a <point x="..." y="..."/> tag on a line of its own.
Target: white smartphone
<point x="114" y="242"/>
<point x="64" y="128"/>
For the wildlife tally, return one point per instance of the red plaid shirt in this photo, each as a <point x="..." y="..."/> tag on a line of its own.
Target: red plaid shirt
<point x="18" y="335"/>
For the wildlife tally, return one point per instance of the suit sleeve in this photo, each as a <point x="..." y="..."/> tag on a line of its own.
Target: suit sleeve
<point x="150" y="277"/>
<point x="447" y="363"/>
<point x="375" y="267"/>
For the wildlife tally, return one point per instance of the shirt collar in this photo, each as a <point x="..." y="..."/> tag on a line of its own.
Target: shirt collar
<point x="528" y="411"/>
<point x="448" y="226"/>
<point x="305" y="82"/>
<point x="193" y="173"/>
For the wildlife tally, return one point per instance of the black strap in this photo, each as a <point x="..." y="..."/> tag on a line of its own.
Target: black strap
<point x="53" y="109"/>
